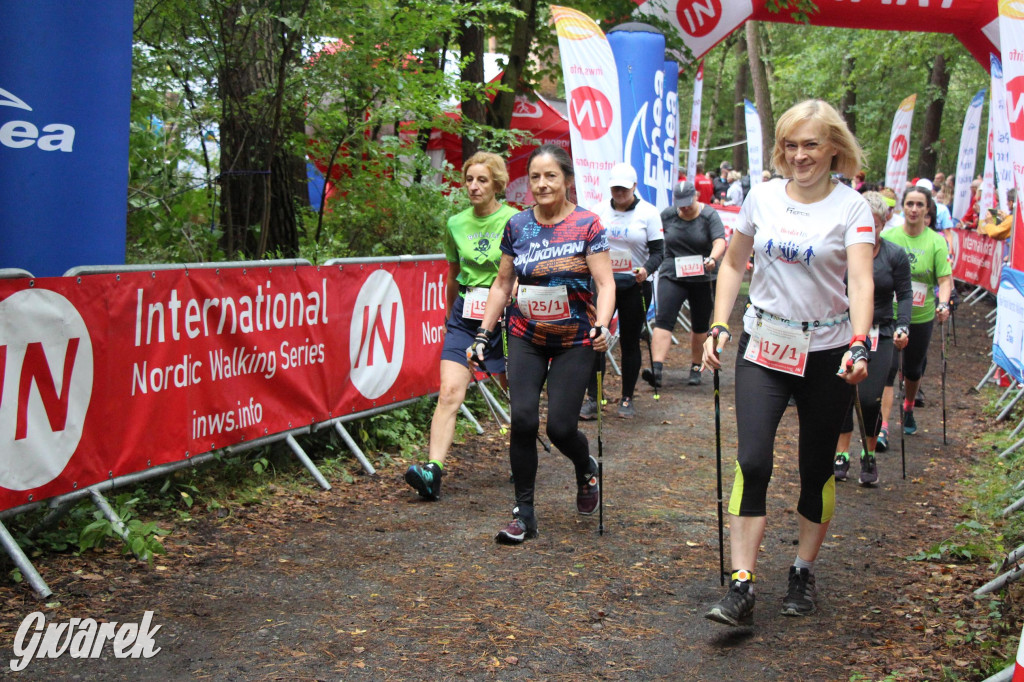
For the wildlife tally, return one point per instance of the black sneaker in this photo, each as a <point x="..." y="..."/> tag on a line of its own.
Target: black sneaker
<point x="652" y="376"/>
<point x="801" y="594"/>
<point x="919" y="399"/>
<point x="842" y="466"/>
<point x="589" y="493"/>
<point x="736" y="607"/>
<point x="868" y="470"/>
<point x="426" y="479"/>
<point x="626" y="410"/>
<point x="517" y="531"/>
<point x="694" y="379"/>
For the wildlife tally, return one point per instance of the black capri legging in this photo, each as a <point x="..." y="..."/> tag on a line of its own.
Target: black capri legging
<point x="915" y="355"/>
<point x="762" y="394"/>
<point x="870" y="390"/>
<point x="566" y="376"/>
<point x="672" y="293"/>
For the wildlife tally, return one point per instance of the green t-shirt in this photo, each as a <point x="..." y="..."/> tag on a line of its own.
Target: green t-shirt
<point x="474" y="244"/>
<point x="928" y="254"/>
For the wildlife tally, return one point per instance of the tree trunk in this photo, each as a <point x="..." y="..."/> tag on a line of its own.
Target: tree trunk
<point x="739" y="122"/>
<point x="471" y="44"/>
<point x="499" y="113"/>
<point x="712" y="114"/>
<point x="259" y="177"/>
<point x="762" y="97"/>
<point x="848" y="102"/>
<point x="938" y="87"/>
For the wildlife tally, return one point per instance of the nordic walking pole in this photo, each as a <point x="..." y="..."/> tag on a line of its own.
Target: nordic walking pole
<point x="903" y="396"/>
<point x="718" y="460"/>
<point x="860" y="421"/>
<point x="942" y="330"/>
<point x="600" y="455"/>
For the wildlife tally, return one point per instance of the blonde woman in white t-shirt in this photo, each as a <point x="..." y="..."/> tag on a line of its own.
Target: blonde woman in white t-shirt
<point x="803" y="337"/>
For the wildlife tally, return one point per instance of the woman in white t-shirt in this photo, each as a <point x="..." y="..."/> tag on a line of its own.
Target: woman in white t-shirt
<point x="803" y="337"/>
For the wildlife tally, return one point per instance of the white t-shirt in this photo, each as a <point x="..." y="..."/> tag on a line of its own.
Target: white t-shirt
<point x="800" y="256"/>
<point x="631" y="230"/>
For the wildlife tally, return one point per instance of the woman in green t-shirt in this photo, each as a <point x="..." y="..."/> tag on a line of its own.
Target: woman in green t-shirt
<point x="928" y="254"/>
<point x="471" y="244"/>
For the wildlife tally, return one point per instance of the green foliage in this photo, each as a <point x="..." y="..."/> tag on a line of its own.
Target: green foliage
<point x="404" y="429"/>
<point x="142" y="538"/>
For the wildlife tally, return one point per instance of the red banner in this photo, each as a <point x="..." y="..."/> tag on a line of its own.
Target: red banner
<point x="977" y="259"/>
<point x="106" y="375"/>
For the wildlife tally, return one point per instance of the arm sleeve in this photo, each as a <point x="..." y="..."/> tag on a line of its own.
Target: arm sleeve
<point x="903" y="289"/>
<point x="655" y="247"/>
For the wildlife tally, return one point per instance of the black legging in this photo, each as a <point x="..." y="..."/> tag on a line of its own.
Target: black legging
<point x="566" y="377"/>
<point x="870" y="390"/>
<point x="632" y="304"/>
<point x="822" y="399"/>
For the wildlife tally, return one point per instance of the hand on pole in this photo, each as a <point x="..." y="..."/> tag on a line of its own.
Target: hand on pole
<point x="599" y="338"/>
<point x="854" y="367"/>
<point x="718" y="336"/>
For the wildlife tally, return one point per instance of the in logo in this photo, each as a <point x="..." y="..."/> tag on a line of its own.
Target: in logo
<point x="20" y="134"/>
<point x="377" y="336"/>
<point x="899" y="147"/>
<point x="591" y="112"/>
<point x="46" y="373"/>
<point x="698" y="18"/>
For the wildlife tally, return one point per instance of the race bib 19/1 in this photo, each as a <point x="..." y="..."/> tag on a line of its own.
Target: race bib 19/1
<point x="689" y="266"/>
<point x="474" y="303"/>
<point x="544" y="304"/>
<point x="779" y="347"/>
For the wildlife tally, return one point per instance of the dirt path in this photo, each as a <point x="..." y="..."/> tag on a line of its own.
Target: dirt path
<point x="368" y="582"/>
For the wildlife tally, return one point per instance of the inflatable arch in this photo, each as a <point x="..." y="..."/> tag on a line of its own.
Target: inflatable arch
<point x="704" y="23"/>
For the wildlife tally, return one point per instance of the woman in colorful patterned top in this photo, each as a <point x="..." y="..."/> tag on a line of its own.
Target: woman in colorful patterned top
<point x="471" y="248"/>
<point x="554" y="249"/>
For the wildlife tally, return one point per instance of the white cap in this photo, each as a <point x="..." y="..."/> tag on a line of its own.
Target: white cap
<point x="926" y="183"/>
<point x="622" y="175"/>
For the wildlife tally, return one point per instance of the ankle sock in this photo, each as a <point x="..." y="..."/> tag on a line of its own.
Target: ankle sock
<point x="908" y="405"/>
<point x="439" y="465"/>
<point x="800" y="563"/>
<point x="885" y="427"/>
<point x="844" y="455"/>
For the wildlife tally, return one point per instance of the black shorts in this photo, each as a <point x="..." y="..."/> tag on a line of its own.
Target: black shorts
<point x="672" y="293"/>
<point x="459" y="334"/>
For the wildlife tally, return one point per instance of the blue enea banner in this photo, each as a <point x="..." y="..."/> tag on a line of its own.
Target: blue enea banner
<point x="1008" y="342"/>
<point x="65" y="100"/>
<point x="639" y="52"/>
<point x="670" y="96"/>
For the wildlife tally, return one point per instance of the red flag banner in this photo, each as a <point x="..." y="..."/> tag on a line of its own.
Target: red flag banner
<point x="110" y="374"/>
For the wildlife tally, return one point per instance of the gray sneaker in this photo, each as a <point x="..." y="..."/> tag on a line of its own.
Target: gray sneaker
<point x="736" y="607"/>
<point x="626" y="410"/>
<point x="801" y="595"/>
<point x="588" y="411"/>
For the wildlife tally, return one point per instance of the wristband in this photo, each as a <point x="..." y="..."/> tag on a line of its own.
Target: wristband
<point x="862" y="338"/>
<point x="942" y="306"/>
<point x="903" y="330"/>
<point x="601" y="329"/>
<point x="858" y="353"/>
<point x="718" y="328"/>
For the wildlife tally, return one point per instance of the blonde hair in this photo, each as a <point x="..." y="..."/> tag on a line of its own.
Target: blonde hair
<point x="877" y="204"/>
<point x="494" y="163"/>
<point x="849" y="156"/>
<point x="734" y="175"/>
